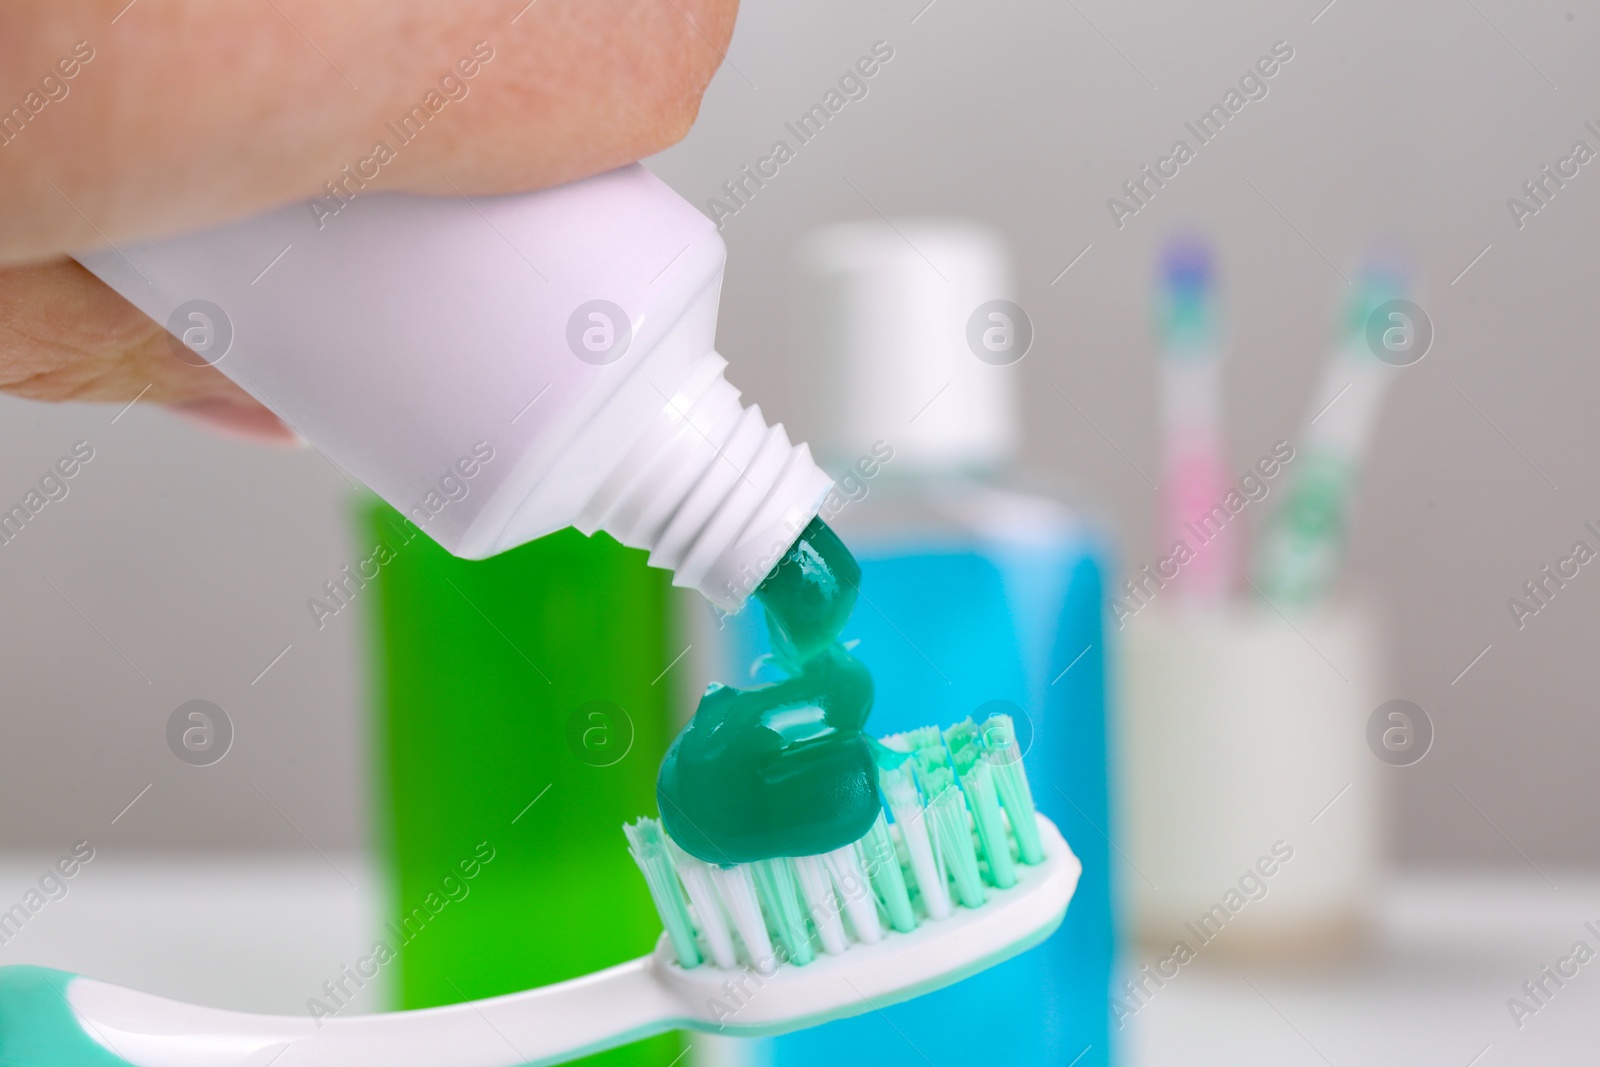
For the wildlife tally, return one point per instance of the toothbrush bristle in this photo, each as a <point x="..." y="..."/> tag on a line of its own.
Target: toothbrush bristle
<point x="957" y="822"/>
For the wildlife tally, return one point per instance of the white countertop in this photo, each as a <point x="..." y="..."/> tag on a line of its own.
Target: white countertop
<point x="250" y="932"/>
<point x="1448" y="952"/>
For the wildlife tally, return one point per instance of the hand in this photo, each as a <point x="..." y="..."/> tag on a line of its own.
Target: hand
<point x="190" y="112"/>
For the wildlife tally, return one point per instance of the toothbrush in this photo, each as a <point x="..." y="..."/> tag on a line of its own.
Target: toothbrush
<point x="1195" y="478"/>
<point x="965" y="876"/>
<point x="1303" y="542"/>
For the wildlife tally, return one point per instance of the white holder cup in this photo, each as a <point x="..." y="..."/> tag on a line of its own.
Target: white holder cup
<point x="1244" y="738"/>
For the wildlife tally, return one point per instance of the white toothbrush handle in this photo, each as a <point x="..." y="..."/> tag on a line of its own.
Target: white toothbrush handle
<point x="541" y="1026"/>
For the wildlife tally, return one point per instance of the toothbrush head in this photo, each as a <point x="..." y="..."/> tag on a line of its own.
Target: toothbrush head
<point x="1385" y="276"/>
<point x="1186" y="292"/>
<point x="1187" y="264"/>
<point x="958" y="874"/>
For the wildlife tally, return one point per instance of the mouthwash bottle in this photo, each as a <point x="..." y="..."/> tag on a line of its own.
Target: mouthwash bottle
<point x="520" y="712"/>
<point x="978" y="594"/>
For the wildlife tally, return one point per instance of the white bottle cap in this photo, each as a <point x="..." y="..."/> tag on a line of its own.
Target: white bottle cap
<point x="892" y="320"/>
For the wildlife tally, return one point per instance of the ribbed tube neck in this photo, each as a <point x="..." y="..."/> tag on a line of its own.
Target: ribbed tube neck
<point x="712" y="492"/>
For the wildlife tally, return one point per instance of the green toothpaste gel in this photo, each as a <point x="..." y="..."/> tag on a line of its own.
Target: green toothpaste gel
<point x="783" y="769"/>
<point x="809" y="595"/>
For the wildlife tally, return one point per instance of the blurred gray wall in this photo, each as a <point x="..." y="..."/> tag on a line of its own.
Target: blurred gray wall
<point x="181" y="564"/>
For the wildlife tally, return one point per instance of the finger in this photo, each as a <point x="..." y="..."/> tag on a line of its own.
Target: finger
<point x="185" y="112"/>
<point x="65" y="335"/>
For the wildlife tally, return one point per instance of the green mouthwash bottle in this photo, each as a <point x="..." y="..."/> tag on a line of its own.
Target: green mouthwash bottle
<point x="520" y="711"/>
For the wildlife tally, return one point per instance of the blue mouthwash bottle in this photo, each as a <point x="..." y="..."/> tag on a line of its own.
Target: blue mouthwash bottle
<point x="977" y="595"/>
